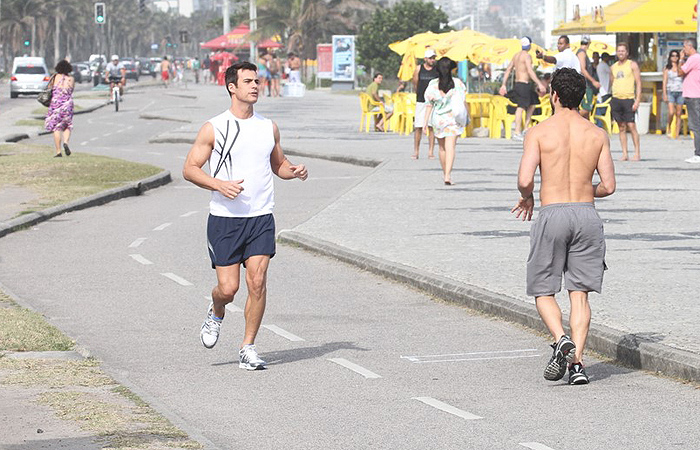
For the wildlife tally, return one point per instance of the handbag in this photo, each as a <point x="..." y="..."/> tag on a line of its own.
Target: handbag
<point x="459" y="111"/>
<point x="45" y="96"/>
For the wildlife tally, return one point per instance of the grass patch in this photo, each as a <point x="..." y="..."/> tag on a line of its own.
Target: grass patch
<point x="60" y="180"/>
<point x="54" y="373"/>
<point x="22" y="330"/>
<point x="29" y="123"/>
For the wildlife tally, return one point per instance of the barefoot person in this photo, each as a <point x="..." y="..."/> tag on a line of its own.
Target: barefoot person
<point x="243" y="151"/>
<point x="627" y="93"/>
<point x="567" y="237"/>
<point x="525" y="96"/>
<point x="421" y="77"/>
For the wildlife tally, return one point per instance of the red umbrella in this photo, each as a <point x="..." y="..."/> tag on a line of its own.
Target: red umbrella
<point x="220" y="56"/>
<point x="269" y="43"/>
<point x="232" y="39"/>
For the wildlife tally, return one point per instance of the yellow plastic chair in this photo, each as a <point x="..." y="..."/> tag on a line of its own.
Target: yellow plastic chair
<point x="370" y="109"/>
<point x="501" y="116"/>
<point x="479" y="106"/>
<point x="684" y="122"/>
<point x="602" y="111"/>
<point x="408" y="110"/>
<point x="397" y="102"/>
<point x="545" y="111"/>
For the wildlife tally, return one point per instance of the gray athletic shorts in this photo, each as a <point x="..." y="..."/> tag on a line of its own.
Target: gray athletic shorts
<point x="566" y="238"/>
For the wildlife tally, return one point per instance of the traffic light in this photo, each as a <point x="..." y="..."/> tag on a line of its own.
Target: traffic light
<point x="27" y="42"/>
<point x="100" y="17"/>
<point x="184" y="36"/>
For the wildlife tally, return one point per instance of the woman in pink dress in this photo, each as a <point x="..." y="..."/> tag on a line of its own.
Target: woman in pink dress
<point x="59" y="119"/>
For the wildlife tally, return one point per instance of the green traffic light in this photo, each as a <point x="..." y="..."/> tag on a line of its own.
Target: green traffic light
<point x="26" y="43"/>
<point x="100" y="19"/>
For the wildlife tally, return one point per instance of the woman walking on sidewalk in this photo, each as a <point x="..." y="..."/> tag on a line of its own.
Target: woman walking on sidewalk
<point x="59" y="119"/>
<point x="440" y="116"/>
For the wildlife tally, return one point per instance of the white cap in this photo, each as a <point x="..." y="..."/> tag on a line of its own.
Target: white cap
<point x="115" y="57"/>
<point x="585" y="39"/>
<point x="525" y="43"/>
<point x="429" y="53"/>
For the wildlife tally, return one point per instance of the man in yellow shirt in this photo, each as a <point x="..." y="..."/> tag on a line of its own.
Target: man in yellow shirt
<point x="627" y="93"/>
<point x="373" y="91"/>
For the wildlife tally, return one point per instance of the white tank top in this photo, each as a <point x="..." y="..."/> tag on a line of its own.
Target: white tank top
<point x="242" y="150"/>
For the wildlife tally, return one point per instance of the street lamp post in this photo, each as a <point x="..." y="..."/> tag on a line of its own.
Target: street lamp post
<point x="253" y="28"/>
<point x="227" y="17"/>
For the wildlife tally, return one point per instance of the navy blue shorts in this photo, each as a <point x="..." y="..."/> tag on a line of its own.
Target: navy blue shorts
<point x="233" y="240"/>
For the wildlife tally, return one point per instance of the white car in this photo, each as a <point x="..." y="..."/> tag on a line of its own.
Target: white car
<point x="29" y="76"/>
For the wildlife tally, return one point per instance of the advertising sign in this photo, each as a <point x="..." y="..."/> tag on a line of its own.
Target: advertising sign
<point x="343" y="58"/>
<point x="324" y="57"/>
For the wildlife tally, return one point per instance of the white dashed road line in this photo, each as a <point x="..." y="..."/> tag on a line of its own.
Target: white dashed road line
<point x="84" y="143"/>
<point x="155" y="153"/>
<point x="181" y="157"/>
<point x="179" y="280"/>
<point x="188" y="214"/>
<point x="137" y="242"/>
<point x="107" y="134"/>
<point x="473" y="356"/>
<point x="535" y="446"/>
<point x="141" y="259"/>
<point x="285" y="334"/>
<point x="354" y="367"/>
<point x="442" y="406"/>
<point x="162" y="227"/>
<point x="94" y="138"/>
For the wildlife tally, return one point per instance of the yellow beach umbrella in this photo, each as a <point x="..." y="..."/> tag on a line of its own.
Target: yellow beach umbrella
<point x="462" y="45"/>
<point x="596" y="46"/>
<point x="408" y="66"/>
<point x="501" y="50"/>
<point x="416" y="44"/>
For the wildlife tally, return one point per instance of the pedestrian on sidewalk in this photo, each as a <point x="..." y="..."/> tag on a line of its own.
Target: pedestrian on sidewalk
<point x="525" y="83"/>
<point x="421" y="77"/>
<point x="567" y="237"/>
<point x="243" y="151"/>
<point x="439" y="113"/>
<point x="627" y="93"/>
<point x="672" y="89"/>
<point x="589" y="73"/>
<point x="690" y="69"/>
<point x="59" y="118"/>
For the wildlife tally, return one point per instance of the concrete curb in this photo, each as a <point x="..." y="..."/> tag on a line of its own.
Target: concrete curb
<point x="627" y="349"/>
<point x="157" y="117"/>
<point x="130" y="190"/>
<point x="356" y="161"/>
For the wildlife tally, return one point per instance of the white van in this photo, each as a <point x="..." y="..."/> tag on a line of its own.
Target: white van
<point x="29" y="76"/>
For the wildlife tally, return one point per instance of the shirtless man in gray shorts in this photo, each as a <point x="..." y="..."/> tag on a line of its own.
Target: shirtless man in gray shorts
<point x="567" y="237"/>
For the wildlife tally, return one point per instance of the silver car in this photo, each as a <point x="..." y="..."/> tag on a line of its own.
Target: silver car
<point x="29" y="76"/>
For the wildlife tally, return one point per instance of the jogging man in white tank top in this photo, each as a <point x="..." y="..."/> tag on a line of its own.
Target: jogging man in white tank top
<point x="243" y="151"/>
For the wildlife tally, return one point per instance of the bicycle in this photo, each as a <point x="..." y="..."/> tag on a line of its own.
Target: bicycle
<point x="115" y="82"/>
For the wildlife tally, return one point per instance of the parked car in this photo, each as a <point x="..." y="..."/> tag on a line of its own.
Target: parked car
<point x="131" y="72"/>
<point x="82" y="72"/>
<point x="146" y="67"/>
<point x="30" y="76"/>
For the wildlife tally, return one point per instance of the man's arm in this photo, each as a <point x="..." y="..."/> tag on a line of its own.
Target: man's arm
<point x="541" y="89"/>
<point x="546" y="58"/>
<point x="198" y="156"/>
<point x="637" y="84"/>
<point x="526" y="176"/>
<point x="415" y="78"/>
<point x="582" y="62"/>
<point x="281" y="165"/>
<point x="606" y="171"/>
<point x="503" y="90"/>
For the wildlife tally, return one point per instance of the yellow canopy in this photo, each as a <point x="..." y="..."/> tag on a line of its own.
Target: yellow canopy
<point x="416" y="44"/>
<point x="595" y="46"/>
<point x="499" y="51"/>
<point x="461" y="45"/>
<point x="637" y="16"/>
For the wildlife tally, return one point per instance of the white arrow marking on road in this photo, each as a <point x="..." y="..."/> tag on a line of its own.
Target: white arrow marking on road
<point x="84" y="143"/>
<point x="131" y="126"/>
<point x="188" y="214"/>
<point x="535" y="446"/>
<point x="137" y="242"/>
<point x="93" y="139"/>
<point x="141" y="259"/>
<point x="447" y="408"/>
<point x="354" y="367"/>
<point x="179" y="280"/>
<point x="285" y="334"/>
<point x="107" y="134"/>
<point x="162" y="227"/>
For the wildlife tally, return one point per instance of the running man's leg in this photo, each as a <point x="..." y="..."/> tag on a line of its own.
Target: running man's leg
<point x="580" y="321"/>
<point x="228" y="281"/>
<point x="519" y="120"/>
<point x="528" y="116"/>
<point x="256" y="280"/>
<point x="550" y="313"/>
<point x="632" y="128"/>
<point x="623" y="139"/>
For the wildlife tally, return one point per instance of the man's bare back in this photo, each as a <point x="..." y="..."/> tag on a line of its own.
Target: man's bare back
<point x="522" y="63"/>
<point x="570" y="150"/>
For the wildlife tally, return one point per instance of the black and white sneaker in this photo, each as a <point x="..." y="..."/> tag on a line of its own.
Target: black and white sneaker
<point x="248" y="359"/>
<point x="209" y="334"/>
<point x="577" y="374"/>
<point x="563" y="353"/>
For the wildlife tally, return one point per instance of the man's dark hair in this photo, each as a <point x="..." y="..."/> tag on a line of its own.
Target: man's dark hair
<point x="376" y="75"/>
<point x="232" y="73"/>
<point x="63" y="67"/>
<point x="565" y="37"/>
<point x="570" y="86"/>
<point x="624" y="44"/>
<point x="605" y="56"/>
<point x="692" y="42"/>
<point x="165" y="58"/>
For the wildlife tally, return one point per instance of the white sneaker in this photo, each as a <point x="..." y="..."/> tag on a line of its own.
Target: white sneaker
<point x="695" y="159"/>
<point x="209" y="333"/>
<point x="249" y="360"/>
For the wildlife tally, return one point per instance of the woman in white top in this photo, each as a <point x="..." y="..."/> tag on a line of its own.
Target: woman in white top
<point x="440" y="116"/>
<point x="673" y="92"/>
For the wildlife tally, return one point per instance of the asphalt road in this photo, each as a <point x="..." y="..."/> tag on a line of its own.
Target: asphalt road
<point x="355" y="361"/>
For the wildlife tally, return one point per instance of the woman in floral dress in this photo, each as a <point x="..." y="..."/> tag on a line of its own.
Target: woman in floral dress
<point x="439" y="116"/>
<point x="59" y="119"/>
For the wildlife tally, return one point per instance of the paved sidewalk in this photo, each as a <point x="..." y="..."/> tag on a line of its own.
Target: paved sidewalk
<point x="464" y="240"/>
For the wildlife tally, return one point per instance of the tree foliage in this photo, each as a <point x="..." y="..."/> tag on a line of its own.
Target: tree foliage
<point x="402" y="21"/>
